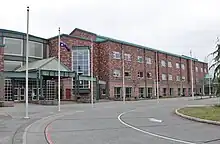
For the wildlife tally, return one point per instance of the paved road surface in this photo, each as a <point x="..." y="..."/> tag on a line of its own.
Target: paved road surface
<point x="115" y="123"/>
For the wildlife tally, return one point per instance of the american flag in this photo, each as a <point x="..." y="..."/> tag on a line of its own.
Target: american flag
<point x="62" y="44"/>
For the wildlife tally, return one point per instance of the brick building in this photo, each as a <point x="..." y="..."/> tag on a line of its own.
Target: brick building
<point x="141" y="64"/>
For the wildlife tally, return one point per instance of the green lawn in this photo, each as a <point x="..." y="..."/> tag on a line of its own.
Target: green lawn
<point x="208" y="112"/>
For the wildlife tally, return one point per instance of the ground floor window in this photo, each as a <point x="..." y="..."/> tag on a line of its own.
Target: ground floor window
<point x="179" y="91"/>
<point x="8" y="90"/>
<point x="81" y="83"/>
<point x="189" y="91"/>
<point x="141" y="92"/>
<point x="184" y="91"/>
<point x="149" y="92"/>
<point x="117" y="92"/>
<point x="171" y="91"/>
<point x="128" y="91"/>
<point x="164" y="91"/>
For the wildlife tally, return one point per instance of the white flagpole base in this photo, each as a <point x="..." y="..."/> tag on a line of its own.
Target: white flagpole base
<point x="26" y="117"/>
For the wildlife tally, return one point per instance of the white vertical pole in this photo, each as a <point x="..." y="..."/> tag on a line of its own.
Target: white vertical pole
<point x="123" y="74"/>
<point x="157" y="70"/>
<point x="91" y="52"/>
<point x="59" y="71"/>
<point x="210" y="93"/>
<point x="192" y="75"/>
<point x="27" y="53"/>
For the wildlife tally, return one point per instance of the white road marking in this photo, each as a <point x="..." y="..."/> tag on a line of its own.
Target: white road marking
<point x="24" y="137"/>
<point x="150" y="133"/>
<point x="155" y="120"/>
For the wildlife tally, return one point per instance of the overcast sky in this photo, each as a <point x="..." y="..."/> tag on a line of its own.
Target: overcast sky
<point x="171" y="25"/>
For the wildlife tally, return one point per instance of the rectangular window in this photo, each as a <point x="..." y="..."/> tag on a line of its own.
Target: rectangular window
<point x="177" y="65"/>
<point x="163" y="63"/>
<point x="170" y="77"/>
<point x="128" y="91"/>
<point x="149" y="75"/>
<point x="205" y="70"/>
<point x="177" y="78"/>
<point x="196" y="69"/>
<point x="11" y="65"/>
<point x="35" y="49"/>
<point x="116" y="55"/>
<point x="148" y="60"/>
<point x="127" y="57"/>
<point x="116" y="73"/>
<point x="201" y="69"/>
<point x="140" y="59"/>
<point x="183" y="78"/>
<point x="117" y="92"/>
<point x="169" y="64"/>
<point x="183" y="66"/>
<point x="13" y="46"/>
<point x="149" y="92"/>
<point x="140" y="74"/>
<point x="141" y="92"/>
<point x="164" y="77"/>
<point x="127" y="74"/>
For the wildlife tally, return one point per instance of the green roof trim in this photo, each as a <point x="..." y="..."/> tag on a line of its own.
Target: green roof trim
<point x="66" y="35"/>
<point x="19" y="33"/>
<point x="2" y="45"/>
<point x="104" y="39"/>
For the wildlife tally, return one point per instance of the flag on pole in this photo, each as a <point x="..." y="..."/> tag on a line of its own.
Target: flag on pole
<point x="63" y="44"/>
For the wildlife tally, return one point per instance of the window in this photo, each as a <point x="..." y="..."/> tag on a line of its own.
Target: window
<point x="177" y="78"/>
<point x="117" y="92"/>
<point x="116" y="55"/>
<point x="128" y="92"/>
<point x="164" y="77"/>
<point x="177" y="65"/>
<point x="116" y="73"/>
<point x="149" y="75"/>
<point x="183" y="66"/>
<point x="163" y="63"/>
<point x="205" y="70"/>
<point x="140" y="59"/>
<point x="201" y="69"/>
<point x="196" y="69"/>
<point x="127" y="73"/>
<point x="13" y="46"/>
<point x="127" y="57"/>
<point x="11" y="65"/>
<point x="35" y="49"/>
<point x="169" y="64"/>
<point x="170" y="77"/>
<point x="148" y="60"/>
<point x="140" y="74"/>
<point x="183" y="78"/>
<point x="141" y="92"/>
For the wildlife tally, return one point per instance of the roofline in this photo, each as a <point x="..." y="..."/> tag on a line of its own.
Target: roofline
<point x="20" y="33"/>
<point x="82" y="31"/>
<point x="66" y="35"/>
<point x="151" y="49"/>
<point x="2" y="45"/>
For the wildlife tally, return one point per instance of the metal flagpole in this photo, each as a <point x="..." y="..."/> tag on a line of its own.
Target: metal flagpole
<point x="27" y="53"/>
<point x="123" y="73"/>
<point x="157" y="78"/>
<point x="91" y="52"/>
<point x="192" y="74"/>
<point x="59" y="71"/>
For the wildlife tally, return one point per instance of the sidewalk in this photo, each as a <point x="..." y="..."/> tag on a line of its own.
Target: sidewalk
<point x="12" y="122"/>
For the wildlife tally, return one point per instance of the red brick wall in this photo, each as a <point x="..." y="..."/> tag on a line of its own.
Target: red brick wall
<point x="2" y="73"/>
<point x="83" y="34"/>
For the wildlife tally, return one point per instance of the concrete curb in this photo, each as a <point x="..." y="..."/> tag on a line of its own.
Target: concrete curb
<point x="196" y="119"/>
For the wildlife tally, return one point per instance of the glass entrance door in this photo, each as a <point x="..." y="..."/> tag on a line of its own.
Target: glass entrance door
<point x="16" y="92"/>
<point x="22" y="94"/>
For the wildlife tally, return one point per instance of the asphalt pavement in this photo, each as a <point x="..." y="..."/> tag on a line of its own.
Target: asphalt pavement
<point x="137" y="122"/>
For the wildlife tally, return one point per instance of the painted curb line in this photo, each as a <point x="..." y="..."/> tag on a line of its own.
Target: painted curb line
<point x="196" y="119"/>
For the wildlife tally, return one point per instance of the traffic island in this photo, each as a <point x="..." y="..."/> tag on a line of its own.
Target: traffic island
<point x="204" y="114"/>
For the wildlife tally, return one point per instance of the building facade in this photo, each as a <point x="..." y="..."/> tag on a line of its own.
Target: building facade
<point x="142" y="67"/>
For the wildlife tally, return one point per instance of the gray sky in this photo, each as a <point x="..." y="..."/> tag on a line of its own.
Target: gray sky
<point x="172" y="25"/>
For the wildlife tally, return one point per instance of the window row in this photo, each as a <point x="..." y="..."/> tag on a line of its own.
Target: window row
<point x="16" y="47"/>
<point x="117" y="73"/>
<point x="170" y="77"/>
<point x="127" y="57"/>
<point x="169" y="64"/>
